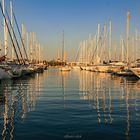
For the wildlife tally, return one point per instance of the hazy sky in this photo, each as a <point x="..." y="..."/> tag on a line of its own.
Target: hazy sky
<point x="78" y="18"/>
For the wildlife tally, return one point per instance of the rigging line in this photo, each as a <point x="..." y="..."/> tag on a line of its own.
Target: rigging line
<point x="9" y="32"/>
<point x="96" y="45"/>
<point x="77" y="55"/>
<point x="124" y="46"/>
<point x="20" y="36"/>
<point x="15" y="39"/>
<point x="105" y="38"/>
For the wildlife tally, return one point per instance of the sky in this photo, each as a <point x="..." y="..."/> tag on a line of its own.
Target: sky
<point x="78" y="19"/>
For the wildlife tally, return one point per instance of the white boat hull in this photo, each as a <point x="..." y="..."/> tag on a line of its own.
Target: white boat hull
<point x="103" y="68"/>
<point x="136" y="71"/>
<point x="65" y="68"/>
<point x="76" y="67"/>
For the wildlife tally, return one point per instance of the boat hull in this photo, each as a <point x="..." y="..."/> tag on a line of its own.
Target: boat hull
<point x="136" y="71"/>
<point x="66" y="68"/>
<point x="5" y="74"/>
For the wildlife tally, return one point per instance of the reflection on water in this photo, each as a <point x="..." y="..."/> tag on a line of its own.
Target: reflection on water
<point x="18" y="97"/>
<point x="83" y="104"/>
<point x="109" y="94"/>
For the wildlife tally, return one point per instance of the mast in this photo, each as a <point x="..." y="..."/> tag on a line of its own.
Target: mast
<point x="27" y="44"/>
<point x="120" y="59"/>
<point x="11" y="20"/>
<point x="95" y="45"/>
<point x="98" y="41"/>
<point x="39" y="52"/>
<point x="77" y="54"/>
<point x="20" y="35"/>
<point x="136" y="50"/>
<point x="14" y="36"/>
<point x="36" y="52"/>
<point x="133" y="48"/>
<point x="115" y="51"/>
<point x="31" y="46"/>
<point x="9" y="31"/>
<point x="4" y="28"/>
<point x="23" y="40"/>
<point x="104" y="42"/>
<point x="84" y="51"/>
<point x="85" y="46"/>
<point x="122" y="48"/>
<point x="127" y="35"/>
<point x="89" y="48"/>
<point x="80" y="53"/>
<point x="6" y="38"/>
<point x="110" y="39"/>
<point x="63" y="47"/>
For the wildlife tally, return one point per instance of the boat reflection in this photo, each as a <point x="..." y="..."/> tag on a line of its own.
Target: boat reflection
<point x="64" y="76"/>
<point x="17" y="99"/>
<point x="114" y="100"/>
<point x="106" y="92"/>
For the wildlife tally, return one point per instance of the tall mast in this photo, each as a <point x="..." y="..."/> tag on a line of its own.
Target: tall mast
<point x="136" y="50"/>
<point x="83" y="52"/>
<point x="122" y="48"/>
<point x="8" y="29"/>
<point x="6" y="37"/>
<point x="31" y="46"/>
<point x="86" y="46"/>
<point x="133" y="48"/>
<point x="127" y="35"/>
<point x="77" y="54"/>
<point x="23" y="40"/>
<point x="110" y="39"/>
<point x="14" y="36"/>
<point x="36" y="52"/>
<point x="4" y="29"/>
<point x="11" y="20"/>
<point x="95" y="44"/>
<point x="98" y="41"/>
<point x="89" y="42"/>
<point x="33" y="49"/>
<point x="115" y="51"/>
<point x="27" y="43"/>
<point x="63" y="47"/>
<point x="39" y="47"/>
<point x="23" y="45"/>
<point x="104" y="42"/>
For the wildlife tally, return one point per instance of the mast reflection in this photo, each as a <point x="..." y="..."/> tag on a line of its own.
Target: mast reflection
<point x="17" y="99"/>
<point x="105" y="92"/>
<point x="64" y="75"/>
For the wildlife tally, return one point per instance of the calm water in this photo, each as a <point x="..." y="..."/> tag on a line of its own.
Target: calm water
<point x="70" y="105"/>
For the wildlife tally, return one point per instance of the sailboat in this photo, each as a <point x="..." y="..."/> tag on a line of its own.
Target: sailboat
<point x="5" y="70"/>
<point x="64" y="67"/>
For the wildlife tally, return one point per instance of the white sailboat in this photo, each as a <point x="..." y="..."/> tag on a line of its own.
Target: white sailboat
<point x="64" y="67"/>
<point x="5" y="70"/>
